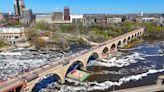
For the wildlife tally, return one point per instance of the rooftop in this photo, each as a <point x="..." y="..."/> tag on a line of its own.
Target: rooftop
<point x="11" y="30"/>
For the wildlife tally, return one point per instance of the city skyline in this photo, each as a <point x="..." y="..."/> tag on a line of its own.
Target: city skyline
<point x="84" y="6"/>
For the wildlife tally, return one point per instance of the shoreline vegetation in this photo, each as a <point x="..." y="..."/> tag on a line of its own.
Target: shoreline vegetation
<point x="153" y="31"/>
<point x="62" y="36"/>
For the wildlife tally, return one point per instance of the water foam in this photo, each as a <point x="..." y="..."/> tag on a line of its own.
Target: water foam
<point x="124" y="61"/>
<point x="108" y="84"/>
<point x="11" y="53"/>
<point x="91" y="86"/>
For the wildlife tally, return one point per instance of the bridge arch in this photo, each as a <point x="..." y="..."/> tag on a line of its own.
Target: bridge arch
<point x="124" y="41"/>
<point x="135" y="36"/>
<point x="45" y="81"/>
<point x="129" y="39"/>
<point x="93" y="56"/>
<point x="105" y="50"/>
<point x="138" y="34"/>
<point x="113" y="48"/>
<point x="75" y="65"/>
<point x="132" y="37"/>
<point x="119" y="44"/>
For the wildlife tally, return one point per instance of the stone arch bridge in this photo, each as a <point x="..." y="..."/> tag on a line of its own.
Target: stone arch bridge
<point x="60" y="68"/>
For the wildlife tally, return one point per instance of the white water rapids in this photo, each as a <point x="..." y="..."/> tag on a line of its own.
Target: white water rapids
<point x="125" y="60"/>
<point x="91" y="86"/>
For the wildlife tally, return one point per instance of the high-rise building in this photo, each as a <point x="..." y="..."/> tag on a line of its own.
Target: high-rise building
<point x="27" y="17"/>
<point x="18" y="7"/>
<point x="57" y="16"/>
<point x="27" y="14"/>
<point x="66" y="13"/>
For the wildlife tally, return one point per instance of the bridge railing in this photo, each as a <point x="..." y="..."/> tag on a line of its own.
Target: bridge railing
<point x="121" y="36"/>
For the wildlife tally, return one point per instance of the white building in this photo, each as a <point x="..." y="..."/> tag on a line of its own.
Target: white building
<point x="149" y="19"/>
<point x="77" y="18"/>
<point x="114" y="20"/>
<point x="12" y="35"/>
<point x="45" y="18"/>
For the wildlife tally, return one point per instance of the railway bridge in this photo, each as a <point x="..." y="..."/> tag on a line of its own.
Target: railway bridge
<point x="60" y="69"/>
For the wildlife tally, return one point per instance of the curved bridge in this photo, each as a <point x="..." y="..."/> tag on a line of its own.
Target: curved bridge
<point x="61" y="68"/>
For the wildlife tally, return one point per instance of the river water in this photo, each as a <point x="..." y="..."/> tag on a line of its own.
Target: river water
<point x="138" y="65"/>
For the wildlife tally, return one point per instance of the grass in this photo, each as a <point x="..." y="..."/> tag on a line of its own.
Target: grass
<point x="3" y="44"/>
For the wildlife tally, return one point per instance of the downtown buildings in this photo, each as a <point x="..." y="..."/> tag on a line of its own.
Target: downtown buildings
<point x="55" y="17"/>
<point x="18" y="7"/>
<point x="66" y="13"/>
<point x="25" y="16"/>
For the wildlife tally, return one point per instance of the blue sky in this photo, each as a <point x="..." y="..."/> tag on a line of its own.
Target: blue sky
<point x="90" y="6"/>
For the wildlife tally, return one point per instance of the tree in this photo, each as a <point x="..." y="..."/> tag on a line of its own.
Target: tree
<point x="42" y="26"/>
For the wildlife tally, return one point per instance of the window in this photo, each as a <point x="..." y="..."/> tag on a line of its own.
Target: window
<point x="16" y="37"/>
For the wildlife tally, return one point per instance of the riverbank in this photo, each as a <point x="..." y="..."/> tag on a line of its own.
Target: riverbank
<point x="133" y="43"/>
<point x="154" y="34"/>
<point x="6" y="48"/>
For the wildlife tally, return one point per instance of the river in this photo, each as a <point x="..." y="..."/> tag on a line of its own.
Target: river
<point x="138" y="65"/>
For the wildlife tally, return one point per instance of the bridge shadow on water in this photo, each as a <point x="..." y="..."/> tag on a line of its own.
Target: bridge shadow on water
<point x="45" y="82"/>
<point x="92" y="58"/>
<point x="54" y="78"/>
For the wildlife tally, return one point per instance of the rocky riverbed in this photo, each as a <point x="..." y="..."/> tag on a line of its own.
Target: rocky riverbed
<point x="20" y="60"/>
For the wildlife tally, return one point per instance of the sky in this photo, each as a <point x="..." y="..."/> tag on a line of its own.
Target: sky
<point x="89" y="6"/>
